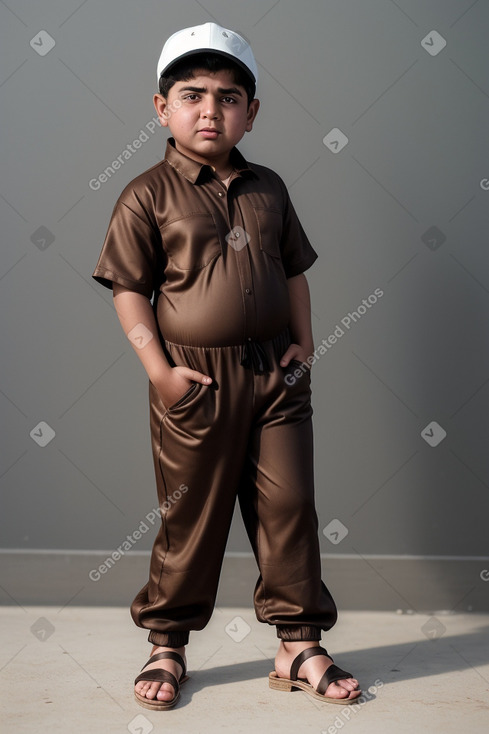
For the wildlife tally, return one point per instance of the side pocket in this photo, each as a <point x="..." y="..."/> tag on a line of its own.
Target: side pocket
<point x="298" y="369"/>
<point x="299" y="363"/>
<point x="184" y="398"/>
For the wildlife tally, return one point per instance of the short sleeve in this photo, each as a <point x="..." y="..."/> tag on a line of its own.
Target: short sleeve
<point x="297" y="252"/>
<point x="130" y="253"/>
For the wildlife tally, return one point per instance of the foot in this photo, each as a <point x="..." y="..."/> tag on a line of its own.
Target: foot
<point x="313" y="669"/>
<point x="154" y="689"/>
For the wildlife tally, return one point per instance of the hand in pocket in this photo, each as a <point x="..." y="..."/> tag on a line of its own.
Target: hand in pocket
<point x="179" y="382"/>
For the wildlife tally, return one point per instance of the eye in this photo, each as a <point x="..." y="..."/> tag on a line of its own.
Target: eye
<point x="191" y="97"/>
<point x="229" y="100"/>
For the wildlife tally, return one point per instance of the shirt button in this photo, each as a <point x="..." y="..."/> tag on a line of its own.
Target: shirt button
<point x="219" y="193"/>
<point x="248" y="290"/>
<point x="236" y="234"/>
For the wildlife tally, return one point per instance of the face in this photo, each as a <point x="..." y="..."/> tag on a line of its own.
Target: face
<point x="207" y="115"/>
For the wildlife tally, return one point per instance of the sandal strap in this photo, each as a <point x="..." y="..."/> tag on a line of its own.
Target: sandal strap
<point x="160" y="675"/>
<point x="332" y="674"/>
<point x="172" y="656"/>
<point x="303" y="656"/>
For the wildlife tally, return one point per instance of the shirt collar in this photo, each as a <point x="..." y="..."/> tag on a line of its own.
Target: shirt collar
<point x="196" y="172"/>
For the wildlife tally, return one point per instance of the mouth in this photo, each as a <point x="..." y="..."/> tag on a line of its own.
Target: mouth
<point x="210" y="133"/>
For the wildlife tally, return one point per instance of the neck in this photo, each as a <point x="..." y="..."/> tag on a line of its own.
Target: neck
<point x="221" y="168"/>
<point x="221" y="164"/>
<point x="223" y="175"/>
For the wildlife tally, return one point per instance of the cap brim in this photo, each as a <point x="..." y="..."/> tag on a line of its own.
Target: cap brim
<point x="232" y="58"/>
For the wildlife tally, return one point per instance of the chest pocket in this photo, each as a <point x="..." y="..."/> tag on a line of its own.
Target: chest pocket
<point x="191" y="242"/>
<point x="270" y="225"/>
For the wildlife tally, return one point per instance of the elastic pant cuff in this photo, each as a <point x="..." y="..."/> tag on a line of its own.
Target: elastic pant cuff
<point x="298" y="632"/>
<point x="168" y="639"/>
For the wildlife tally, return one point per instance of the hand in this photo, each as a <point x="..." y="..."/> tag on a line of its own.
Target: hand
<point x="177" y="384"/>
<point x="296" y="351"/>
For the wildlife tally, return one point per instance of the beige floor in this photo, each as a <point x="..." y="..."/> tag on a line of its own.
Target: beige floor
<point x="71" y="670"/>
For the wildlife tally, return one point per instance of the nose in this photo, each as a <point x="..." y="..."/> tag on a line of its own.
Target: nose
<point x="210" y="108"/>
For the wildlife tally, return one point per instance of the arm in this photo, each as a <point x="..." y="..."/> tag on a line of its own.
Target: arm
<point x="300" y="321"/>
<point x="134" y="309"/>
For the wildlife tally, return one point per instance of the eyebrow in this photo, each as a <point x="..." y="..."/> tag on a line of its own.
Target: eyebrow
<point x="221" y="90"/>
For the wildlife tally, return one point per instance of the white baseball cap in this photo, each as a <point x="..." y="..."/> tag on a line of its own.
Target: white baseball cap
<point x="208" y="37"/>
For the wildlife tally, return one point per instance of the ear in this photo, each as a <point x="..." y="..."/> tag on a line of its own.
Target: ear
<point x="161" y="108"/>
<point x="252" y="112"/>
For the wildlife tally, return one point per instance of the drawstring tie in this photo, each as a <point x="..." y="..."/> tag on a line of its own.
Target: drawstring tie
<point x="253" y="356"/>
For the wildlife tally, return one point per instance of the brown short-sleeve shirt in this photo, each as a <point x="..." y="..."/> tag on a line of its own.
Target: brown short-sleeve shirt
<point x="216" y="259"/>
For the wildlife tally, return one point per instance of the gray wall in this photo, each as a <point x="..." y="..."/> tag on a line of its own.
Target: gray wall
<point x="402" y="207"/>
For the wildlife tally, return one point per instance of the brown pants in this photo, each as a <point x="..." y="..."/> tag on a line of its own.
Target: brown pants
<point x="248" y="435"/>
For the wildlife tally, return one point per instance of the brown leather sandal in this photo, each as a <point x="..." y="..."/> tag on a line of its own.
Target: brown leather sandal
<point x="332" y="674"/>
<point x="163" y="676"/>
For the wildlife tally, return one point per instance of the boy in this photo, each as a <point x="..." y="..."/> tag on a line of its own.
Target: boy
<point x="217" y="242"/>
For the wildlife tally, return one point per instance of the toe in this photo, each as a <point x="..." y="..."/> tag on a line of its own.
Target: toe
<point x="336" y="691"/>
<point x="142" y="687"/>
<point x="151" y="690"/>
<point x="165" y="693"/>
<point x="343" y="688"/>
<point x="350" y="688"/>
<point x="147" y="689"/>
